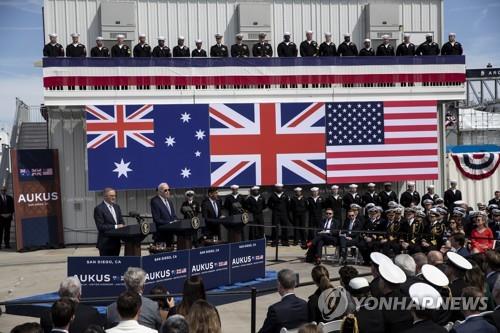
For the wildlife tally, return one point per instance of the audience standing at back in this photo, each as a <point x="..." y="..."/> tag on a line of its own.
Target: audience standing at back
<point x="203" y="318"/>
<point x="193" y="290"/>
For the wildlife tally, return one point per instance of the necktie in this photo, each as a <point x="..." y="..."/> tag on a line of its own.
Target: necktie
<point x="168" y="207"/>
<point x="326" y="225"/>
<point x="216" y="211"/>
<point x="113" y="213"/>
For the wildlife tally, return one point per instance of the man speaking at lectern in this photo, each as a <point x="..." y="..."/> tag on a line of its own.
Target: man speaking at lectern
<point x="108" y="216"/>
<point x="163" y="211"/>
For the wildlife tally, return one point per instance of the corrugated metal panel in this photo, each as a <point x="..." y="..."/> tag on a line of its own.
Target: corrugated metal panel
<point x="203" y="18"/>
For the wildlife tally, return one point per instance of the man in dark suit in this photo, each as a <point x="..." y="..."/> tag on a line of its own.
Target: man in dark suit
<point x="211" y="210"/>
<point x="163" y="211"/>
<point x="291" y="311"/>
<point x="62" y="313"/>
<point x="348" y="236"/>
<point x="85" y="315"/>
<point x="451" y="195"/>
<point x="473" y="322"/>
<point x="325" y="236"/>
<point x="6" y="211"/>
<point x="494" y="317"/>
<point x="108" y="216"/>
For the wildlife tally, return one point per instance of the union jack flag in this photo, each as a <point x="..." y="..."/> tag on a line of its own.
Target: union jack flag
<point x="119" y="126"/>
<point x="267" y="143"/>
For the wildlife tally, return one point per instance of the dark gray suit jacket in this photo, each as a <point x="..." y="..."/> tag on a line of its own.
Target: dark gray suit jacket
<point x="149" y="316"/>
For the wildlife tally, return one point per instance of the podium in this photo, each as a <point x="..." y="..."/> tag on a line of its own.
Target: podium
<point x="183" y="229"/>
<point x="234" y="225"/>
<point x="132" y="235"/>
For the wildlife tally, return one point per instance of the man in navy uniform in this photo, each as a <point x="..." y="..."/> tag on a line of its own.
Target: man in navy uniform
<point x="410" y="197"/>
<point x="385" y="49"/>
<point x="406" y="48"/>
<point x="256" y="204"/>
<point x="298" y="208"/>
<point x="234" y="202"/>
<point x="387" y="195"/>
<point x="262" y="49"/>
<point x="287" y="48"/>
<point x="6" y="212"/>
<point x="219" y="50"/>
<point x="199" y="52"/>
<point x="279" y="203"/>
<point x="76" y="49"/>
<point x="142" y="49"/>
<point x="120" y="49"/>
<point x="99" y="51"/>
<point x="451" y="195"/>
<point x="334" y="201"/>
<point x="309" y="47"/>
<point x="181" y="50"/>
<point x="108" y="216"/>
<point x="430" y="195"/>
<point x="211" y="211"/>
<point x="347" y="48"/>
<point x="328" y="48"/>
<point x="163" y="211"/>
<point x="452" y="47"/>
<point x="429" y="47"/>
<point x="370" y="196"/>
<point x="367" y="50"/>
<point x="315" y="205"/>
<point x="352" y="197"/>
<point x="161" y="50"/>
<point x="53" y="48"/>
<point x="239" y="49"/>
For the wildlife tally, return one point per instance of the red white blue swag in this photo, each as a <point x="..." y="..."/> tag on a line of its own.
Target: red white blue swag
<point x="477" y="165"/>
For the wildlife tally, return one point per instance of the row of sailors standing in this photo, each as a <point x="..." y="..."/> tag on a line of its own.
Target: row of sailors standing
<point x="287" y="48"/>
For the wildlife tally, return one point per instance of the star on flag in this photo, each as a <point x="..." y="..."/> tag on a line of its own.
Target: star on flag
<point x="122" y="168"/>
<point x="185" y="173"/>
<point x="170" y="141"/>
<point x="185" y="117"/>
<point x="200" y="135"/>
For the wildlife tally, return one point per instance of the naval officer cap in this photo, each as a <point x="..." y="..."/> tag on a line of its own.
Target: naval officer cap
<point x="430" y="186"/>
<point x="309" y="32"/>
<point x="495" y="212"/>
<point x="439" y="200"/>
<point x="425" y="296"/>
<point x="328" y="34"/>
<point x="180" y="38"/>
<point x="373" y="210"/>
<point x="359" y="285"/>
<point x="434" y="276"/>
<point x="452" y="34"/>
<point x="420" y="214"/>
<point x="353" y="186"/>
<point x="459" y="202"/>
<point x="453" y="181"/>
<point x="407" y="35"/>
<point x="355" y="206"/>
<point x="189" y="193"/>
<point x="391" y="273"/>
<point x="387" y="184"/>
<point x="369" y="205"/>
<point x="239" y="36"/>
<point x="278" y="185"/>
<point x="287" y="34"/>
<point x="379" y="258"/>
<point x="347" y="35"/>
<point x="262" y="34"/>
<point x="428" y="35"/>
<point x="458" y="261"/>
<point x="198" y="41"/>
<point x="122" y="36"/>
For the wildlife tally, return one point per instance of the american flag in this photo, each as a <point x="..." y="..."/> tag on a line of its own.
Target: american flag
<point x="267" y="143"/>
<point x="381" y="141"/>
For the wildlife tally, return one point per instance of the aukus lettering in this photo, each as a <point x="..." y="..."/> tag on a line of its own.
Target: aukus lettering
<point x="242" y="260"/>
<point x="38" y="197"/>
<point x="158" y="275"/>
<point x="202" y="267"/>
<point x="90" y="278"/>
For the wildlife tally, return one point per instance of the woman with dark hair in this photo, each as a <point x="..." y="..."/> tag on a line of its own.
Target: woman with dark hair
<point x="194" y="290"/>
<point x="166" y="304"/>
<point x="203" y="318"/>
<point x="475" y="277"/>
<point x="321" y="278"/>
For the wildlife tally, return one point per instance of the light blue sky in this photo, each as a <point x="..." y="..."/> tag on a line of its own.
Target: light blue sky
<point x="476" y="23"/>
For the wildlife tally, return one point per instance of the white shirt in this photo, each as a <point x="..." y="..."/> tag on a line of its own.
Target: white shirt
<point x="130" y="326"/>
<point x="327" y="225"/>
<point x="287" y="295"/>
<point x="279" y="194"/>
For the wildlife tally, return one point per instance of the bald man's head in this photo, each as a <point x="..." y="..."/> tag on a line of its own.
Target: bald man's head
<point x="420" y="260"/>
<point x="435" y="258"/>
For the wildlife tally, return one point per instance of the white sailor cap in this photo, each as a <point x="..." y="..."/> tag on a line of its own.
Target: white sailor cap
<point x="234" y="187"/>
<point x="255" y="188"/>
<point x="347" y="35"/>
<point x="411" y="184"/>
<point x="99" y="38"/>
<point x="239" y="36"/>
<point x="452" y="34"/>
<point x="391" y="273"/>
<point x="218" y="35"/>
<point x="353" y="186"/>
<point x="278" y="185"/>
<point x="406" y="35"/>
<point x="297" y="189"/>
<point x="434" y="276"/>
<point x="428" y="34"/>
<point x="314" y="189"/>
<point x="458" y="261"/>
<point x="425" y="296"/>
<point x="430" y="186"/>
<point x="354" y="206"/>
<point x="189" y="192"/>
<point x="378" y="258"/>
<point x="309" y="32"/>
<point x="287" y="34"/>
<point x="180" y="37"/>
<point x="358" y="285"/>
<point x="120" y="36"/>
<point x="198" y="41"/>
<point x="53" y="35"/>
<point x="335" y="187"/>
<point x="371" y="185"/>
<point x="328" y="33"/>
<point x="75" y="34"/>
<point x="387" y="184"/>
<point x="459" y="202"/>
<point x="142" y="35"/>
<point x="453" y="181"/>
<point x="262" y="34"/>
<point x="386" y="36"/>
<point x="367" y="40"/>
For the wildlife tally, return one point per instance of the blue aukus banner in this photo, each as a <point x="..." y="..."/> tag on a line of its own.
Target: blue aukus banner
<point x="212" y="263"/>
<point x="218" y="265"/>
<point x="101" y="276"/>
<point x="167" y="269"/>
<point x="247" y="260"/>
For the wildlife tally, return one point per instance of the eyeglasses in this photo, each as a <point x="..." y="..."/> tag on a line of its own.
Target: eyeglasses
<point x="350" y="215"/>
<point x="166" y="190"/>
<point x="329" y="213"/>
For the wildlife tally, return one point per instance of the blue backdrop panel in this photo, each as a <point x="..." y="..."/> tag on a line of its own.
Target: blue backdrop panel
<point x="167" y="269"/>
<point x="212" y="263"/>
<point x="248" y="260"/>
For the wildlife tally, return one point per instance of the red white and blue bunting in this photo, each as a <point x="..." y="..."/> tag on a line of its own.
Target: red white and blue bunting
<point x="477" y="165"/>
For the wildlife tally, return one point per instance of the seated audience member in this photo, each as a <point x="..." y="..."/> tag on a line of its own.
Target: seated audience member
<point x="476" y="277"/>
<point x="27" y="328"/>
<point x="348" y="235"/>
<point x="407" y="264"/>
<point x="481" y="236"/>
<point x="439" y="281"/>
<point x="62" y="313"/>
<point x="203" y="318"/>
<point x="494" y="317"/>
<point x="346" y="274"/>
<point x="420" y="260"/>
<point x="94" y="329"/>
<point x="149" y="315"/>
<point x="323" y="237"/>
<point x="473" y="322"/>
<point x="376" y="259"/>
<point x="457" y="242"/>
<point x="291" y="311"/>
<point x="165" y="304"/>
<point x="310" y="328"/>
<point x="428" y="300"/>
<point x="175" y="324"/>
<point x="129" y="307"/>
<point x="193" y="290"/>
<point x="492" y="268"/>
<point x="456" y="267"/>
<point x="369" y="319"/>
<point x="435" y="258"/>
<point x="85" y="315"/>
<point x="321" y="278"/>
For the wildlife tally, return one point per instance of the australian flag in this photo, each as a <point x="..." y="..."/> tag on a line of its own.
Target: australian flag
<point x="140" y="146"/>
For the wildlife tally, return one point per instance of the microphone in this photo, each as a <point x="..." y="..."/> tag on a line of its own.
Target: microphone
<point x="187" y="211"/>
<point x="137" y="216"/>
<point x="237" y="207"/>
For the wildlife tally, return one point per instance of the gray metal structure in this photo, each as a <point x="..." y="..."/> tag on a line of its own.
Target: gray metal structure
<point x="483" y="86"/>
